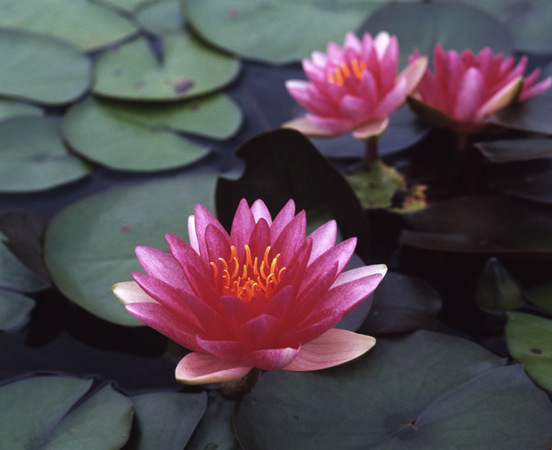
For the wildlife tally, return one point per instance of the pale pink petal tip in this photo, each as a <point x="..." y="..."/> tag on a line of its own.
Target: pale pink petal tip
<point x="200" y="368"/>
<point x="308" y="128"/>
<point x="371" y="129"/>
<point x="129" y="292"/>
<point x="332" y="348"/>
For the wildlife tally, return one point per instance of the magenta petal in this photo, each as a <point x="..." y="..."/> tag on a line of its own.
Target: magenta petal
<point x="392" y="100"/>
<point x="291" y="237"/>
<point x="260" y="211"/>
<point x="356" y="108"/>
<point x="323" y="238"/>
<point x="236" y="311"/>
<point x="339" y="254"/>
<point x="203" y="217"/>
<point x="271" y="359"/>
<point x="226" y="350"/>
<point x="286" y="214"/>
<point x="199" y="368"/>
<point x="262" y="330"/>
<point x="242" y="226"/>
<point x="278" y="305"/>
<point x="469" y="95"/>
<point x="217" y="243"/>
<point x="332" y="348"/>
<point x="332" y="126"/>
<point x="162" y="265"/>
<point x="259" y="239"/>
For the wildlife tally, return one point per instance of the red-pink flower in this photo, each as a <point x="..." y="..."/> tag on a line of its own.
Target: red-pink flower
<point x="264" y="296"/>
<point x="354" y="88"/>
<point x="464" y="89"/>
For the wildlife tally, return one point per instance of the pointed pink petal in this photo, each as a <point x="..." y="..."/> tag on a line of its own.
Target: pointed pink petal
<point x="330" y="126"/>
<point x="217" y="243"/>
<point x="389" y="64"/>
<point x="262" y="330"/>
<point x="308" y="128"/>
<point x="226" y="350"/>
<point x="260" y="239"/>
<point x="278" y="305"/>
<point x="242" y="225"/>
<point x="129" y="292"/>
<point x="290" y="238"/>
<point x="286" y="214"/>
<point x="235" y="311"/>
<point x="332" y="348"/>
<point x="381" y="42"/>
<point x="413" y="73"/>
<point x="199" y="368"/>
<point x="352" y="41"/>
<point x="203" y="217"/>
<point x="161" y="265"/>
<point x="469" y="96"/>
<point x="355" y="108"/>
<point x="260" y="211"/>
<point x="530" y="91"/>
<point x="192" y="234"/>
<point x="392" y="100"/>
<point x="501" y="99"/>
<point x="371" y="129"/>
<point x="271" y="359"/>
<point x="367" y="88"/>
<point x="323" y="238"/>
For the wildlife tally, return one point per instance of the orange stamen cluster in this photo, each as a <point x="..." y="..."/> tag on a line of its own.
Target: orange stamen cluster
<point x="345" y="70"/>
<point x="251" y="278"/>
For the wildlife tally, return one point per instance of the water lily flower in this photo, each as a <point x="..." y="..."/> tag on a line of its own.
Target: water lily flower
<point x="355" y="88"/>
<point x="464" y="89"/>
<point x="265" y="296"/>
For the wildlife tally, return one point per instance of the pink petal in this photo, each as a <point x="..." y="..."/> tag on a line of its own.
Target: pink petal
<point x="242" y="226"/>
<point x="381" y="42"/>
<point x="373" y="128"/>
<point x="355" y="108"/>
<point x="279" y="304"/>
<point x="323" y="238"/>
<point x="389" y="64"/>
<point x="530" y="91"/>
<point x="217" y="243"/>
<point x="261" y="330"/>
<point x="367" y="88"/>
<point x="392" y="100"/>
<point x="260" y="239"/>
<point x="192" y="234"/>
<point x="290" y="238"/>
<point x="162" y="265"/>
<point x="330" y="126"/>
<point x="203" y="217"/>
<point x="260" y="211"/>
<point x="271" y="359"/>
<point x="332" y="348"/>
<point x="129" y="292"/>
<point x="308" y="128"/>
<point x="199" y="368"/>
<point x="286" y="214"/>
<point x="236" y="311"/>
<point x="469" y="95"/>
<point x="501" y="99"/>
<point x="352" y="41"/>
<point x="225" y="350"/>
<point x="340" y="254"/>
<point x="413" y="73"/>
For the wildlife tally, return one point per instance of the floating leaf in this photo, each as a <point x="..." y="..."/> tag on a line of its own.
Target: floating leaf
<point x="186" y="69"/>
<point x="516" y="149"/>
<point x="11" y="108"/>
<point x="33" y="156"/>
<point x="83" y="24"/>
<point x="417" y="392"/>
<point x="161" y="17"/>
<point x="529" y="340"/>
<point x="166" y="420"/>
<point x="14" y="275"/>
<point x="531" y="115"/>
<point x="541" y="295"/>
<point x="14" y="309"/>
<point x="401" y="303"/>
<point x="124" y="137"/>
<point x="496" y="289"/>
<point x="89" y="246"/>
<point x="283" y="164"/>
<point x="45" y="71"/>
<point x="482" y="224"/>
<point x="124" y="5"/>
<point x="275" y="31"/>
<point x="454" y="26"/>
<point x="37" y="413"/>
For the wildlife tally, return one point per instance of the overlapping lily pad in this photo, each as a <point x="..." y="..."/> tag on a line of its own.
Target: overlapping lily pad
<point x="14" y="275"/>
<point x="166" y="420"/>
<point x="79" y="22"/>
<point x="33" y="156"/>
<point x="14" y="308"/>
<point x="46" y="70"/>
<point x="275" y="31"/>
<point x="124" y="5"/>
<point x="541" y="295"/>
<point x="161" y="17"/>
<point x="90" y="245"/>
<point x="126" y="137"/>
<point x="417" y="392"/>
<point x="37" y="413"/>
<point x="455" y="26"/>
<point x="482" y="224"/>
<point x="184" y="68"/>
<point x="11" y="108"/>
<point x="531" y="115"/>
<point x="529" y="341"/>
<point x="516" y="149"/>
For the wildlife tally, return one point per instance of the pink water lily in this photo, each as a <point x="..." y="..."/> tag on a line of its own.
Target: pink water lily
<point x="464" y="89"/>
<point x="265" y="296"/>
<point x="355" y="88"/>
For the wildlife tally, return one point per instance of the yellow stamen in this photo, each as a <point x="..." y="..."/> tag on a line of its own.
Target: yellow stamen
<point x="345" y="70"/>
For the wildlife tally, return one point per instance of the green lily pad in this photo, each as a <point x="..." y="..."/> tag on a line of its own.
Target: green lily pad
<point x="14" y="275"/>
<point x="454" y="26"/>
<point x="45" y="71"/>
<point x="541" y="295"/>
<point x="14" y="309"/>
<point x="215" y="431"/>
<point x="516" y="149"/>
<point x="482" y="224"/>
<point x="127" y="6"/>
<point x="33" y="156"/>
<point x="186" y="68"/>
<point x="401" y="304"/>
<point x="83" y="24"/>
<point x="528" y="21"/>
<point x="161" y="17"/>
<point x="166" y="420"/>
<point x="529" y="340"/>
<point x="124" y="137"/>
<point x="283" y="164"/>
<point x="275" y="31"/>
<point x="11" y="108"/>
<point x="89" y="246"/>
<point x="48" y="412"/>
<point x="531" y="115"/>
<point x="423" y="391"/>
<point x="496" y="289"/>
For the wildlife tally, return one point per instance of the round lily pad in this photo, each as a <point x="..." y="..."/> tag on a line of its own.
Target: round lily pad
<point x="530" y="116"/>
<point x="127" y="6"/>
<point x="455" y="26"/>
<point x="422" y="391"/>
<point x="161" y="17"/>
<point x="45" y="70"/>
<point x="79" y="22"/>
<point x="11" y="108"/>
<point x="516" y="149"/>
<point x="50" y="412"/>
<point x="33" y="156"/>
<point x="125" y="137"/>
<point x="184" y="68"/>
<point x="166" y="420"/>
<point x="529" y="340"/>
<point x="14" y="275"/>
<point x="89" y="246"/>
<point x="14" y="309"/>
<point x="275" y="31"/>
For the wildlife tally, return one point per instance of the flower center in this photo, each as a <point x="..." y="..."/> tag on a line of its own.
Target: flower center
<point x="251" y="278"/>
<point x="345" y="70"/>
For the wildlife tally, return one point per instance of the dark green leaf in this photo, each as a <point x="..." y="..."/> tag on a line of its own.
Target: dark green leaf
<point x="161" y="17"/>
<point x="516" y="149"/>
<point x="496" y="289"/>
<point x="11" y="108"/>
<point x="531" y="115"/>
<point x="14" y="309"/>
<point x="541" y="295"/>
